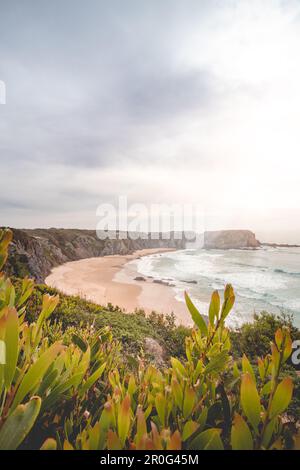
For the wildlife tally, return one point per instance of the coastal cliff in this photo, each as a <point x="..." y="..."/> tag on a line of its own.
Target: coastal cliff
<point x="226" y="239"/>
<point x="35" y="252"/>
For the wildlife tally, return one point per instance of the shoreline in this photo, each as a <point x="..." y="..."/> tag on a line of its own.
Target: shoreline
<point x="111" y="279"/>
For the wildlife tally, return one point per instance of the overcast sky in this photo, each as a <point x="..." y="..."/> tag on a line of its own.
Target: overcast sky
<point x="167" y="101"/>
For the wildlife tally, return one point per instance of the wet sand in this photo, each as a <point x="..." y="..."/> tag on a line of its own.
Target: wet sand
<point x="110" y="279"/>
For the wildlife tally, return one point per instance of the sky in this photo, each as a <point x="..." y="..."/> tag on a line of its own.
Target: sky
<point x="162" y="101"/>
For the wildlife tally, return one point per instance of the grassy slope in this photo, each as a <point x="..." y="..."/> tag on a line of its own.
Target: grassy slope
<point x="130" y="329"/>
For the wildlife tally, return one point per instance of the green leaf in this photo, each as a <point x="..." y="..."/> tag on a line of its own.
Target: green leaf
<point x="217" y="363"/>
<point x="189" y="428"/>
<point x="84" y="362"/>
<point x="132" y="387"/>
<point x="189" y="401"/>
<point x="250" y="400"/>
<point x="288" y="348"/>
<point x="81" y="343"/>
<point x="5" y="239"/>
<point x="18" y="424"/>
<point x="261" y="368"/>
<point x="196" y="316"/>
<point x="241" y="438"/>
<point x="282" y="397"/>
<point x="141" y="426"/>
<point x="48" y="381"/>
<point x="246" y="366"/>
<point x="201" y="423"/>
<point x="229" y="299"/>
<point x="160" y="404"/>
<point x="236" y="372"/>
<point x="178" y="367"/>
<point x="266" y="390"/>
<point x="93" y="439"/>
<point x="208" y="440"/>
<point x="278" y="337"/>
<point x="107" y="420"/>
<point x="50" y="302"/>
<point x="177" y="393"/>
<point x="268" y="433"/>
<point x="12" y="346"/>
<point x="124" y="419"/>
<point x="27" y="289"/>
<point x="92" y="379"/>
<point x="214" y="307"/>
<point x="59" y="390"/>
<point x="36" y="373"/>
<point x="49" y="444"/>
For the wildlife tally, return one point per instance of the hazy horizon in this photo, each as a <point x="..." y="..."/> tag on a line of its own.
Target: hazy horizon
<point x="279" y="236"/>
<point x="171" y="102"/>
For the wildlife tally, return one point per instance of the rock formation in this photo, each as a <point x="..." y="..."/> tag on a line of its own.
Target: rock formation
<point x="226" y="239"/>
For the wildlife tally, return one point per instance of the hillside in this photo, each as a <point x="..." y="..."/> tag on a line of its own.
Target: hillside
<point x="36" y="252"/>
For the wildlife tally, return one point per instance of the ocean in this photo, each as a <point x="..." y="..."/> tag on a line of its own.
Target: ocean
<point x="263" y="279"/>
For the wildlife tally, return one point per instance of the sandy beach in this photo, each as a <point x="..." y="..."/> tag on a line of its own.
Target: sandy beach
<point x="110" y="279"/>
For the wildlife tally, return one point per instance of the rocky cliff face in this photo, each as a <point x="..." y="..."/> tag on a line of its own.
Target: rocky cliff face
<point x="226" y="239"/>
<point x="36" y="252"/>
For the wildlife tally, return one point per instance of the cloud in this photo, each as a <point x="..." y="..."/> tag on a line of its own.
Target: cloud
<point x="188" y="101"/>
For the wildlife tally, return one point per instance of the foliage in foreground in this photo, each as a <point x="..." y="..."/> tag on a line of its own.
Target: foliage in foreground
<point x="75" y="392"/>
<point x="253" y="339"/>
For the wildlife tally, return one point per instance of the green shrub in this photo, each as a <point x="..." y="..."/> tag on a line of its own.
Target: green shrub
<point x="36" y="378"/>
<point x="253" y="339"/>
<point x="65" y="385"/>
<point x="204" y="402"/>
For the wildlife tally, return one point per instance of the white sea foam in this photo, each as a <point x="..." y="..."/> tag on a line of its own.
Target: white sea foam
<point x="264" y="279"/>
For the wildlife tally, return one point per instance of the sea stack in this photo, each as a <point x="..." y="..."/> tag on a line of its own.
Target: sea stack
<point x="227" y="239"/>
